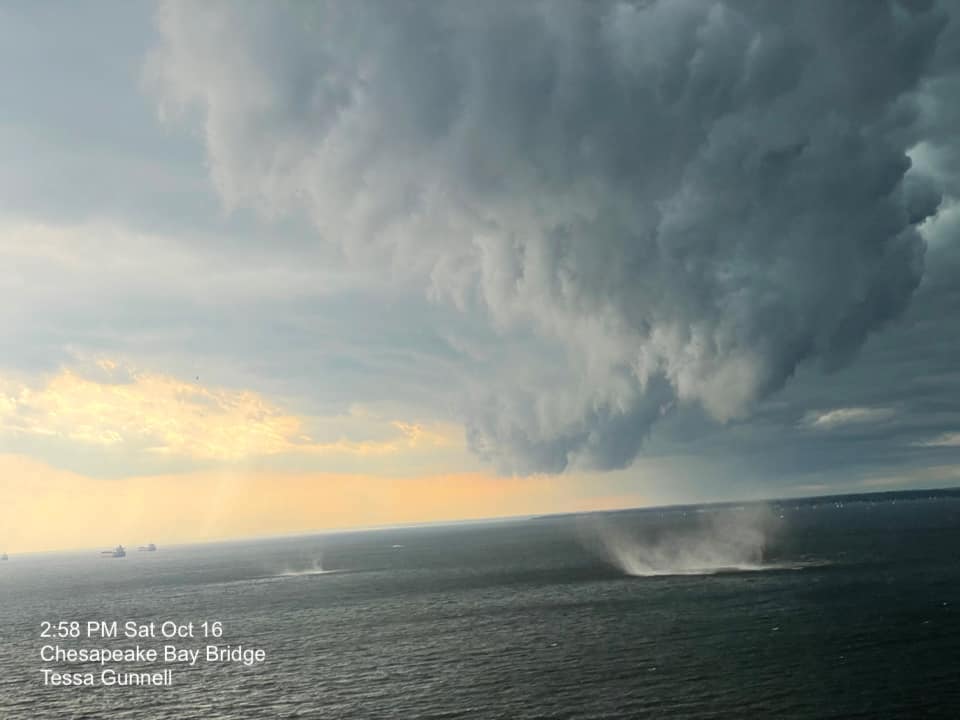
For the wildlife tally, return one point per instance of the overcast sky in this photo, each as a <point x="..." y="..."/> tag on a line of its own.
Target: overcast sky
<point x="345" y="263"/>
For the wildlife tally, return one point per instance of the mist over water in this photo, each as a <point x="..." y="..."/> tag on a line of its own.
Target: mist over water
<point x="704" y="542"/>
<point x="307" y="566"/>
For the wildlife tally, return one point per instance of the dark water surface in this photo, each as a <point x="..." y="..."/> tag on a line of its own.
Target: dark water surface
<point x="812" y="609"/>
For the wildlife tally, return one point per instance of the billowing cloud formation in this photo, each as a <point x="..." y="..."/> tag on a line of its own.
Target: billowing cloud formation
<point x="689" y="199"/>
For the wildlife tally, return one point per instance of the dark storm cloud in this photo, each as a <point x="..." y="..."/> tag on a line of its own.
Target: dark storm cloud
<point x="689" y="200"/>
<point x="890" y="409"/>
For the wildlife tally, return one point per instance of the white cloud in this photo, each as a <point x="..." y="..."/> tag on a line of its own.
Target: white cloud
<point x="950" y="439"/>
<point x="839" y="417"/>
<point x="115" y="406"/>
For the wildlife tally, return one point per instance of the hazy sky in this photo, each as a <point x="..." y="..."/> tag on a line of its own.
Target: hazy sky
<point x="276" y="267"/>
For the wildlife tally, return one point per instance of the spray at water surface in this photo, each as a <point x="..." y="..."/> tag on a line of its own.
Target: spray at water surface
<point x="312" y="565"/>
<point x="691" y="542"/>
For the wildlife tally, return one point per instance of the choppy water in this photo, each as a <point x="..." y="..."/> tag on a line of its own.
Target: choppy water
<point x="810" y="610"/>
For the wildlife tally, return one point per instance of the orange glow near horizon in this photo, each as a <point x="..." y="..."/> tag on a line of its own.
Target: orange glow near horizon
<point x="219" y="435"/>
<point x="49" y="509"/>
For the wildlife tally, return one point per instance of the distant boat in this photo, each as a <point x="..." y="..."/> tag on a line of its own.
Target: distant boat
<point x="147" y="548"/>
<point x="3" y="556"/>
<point x="118" y="551"/>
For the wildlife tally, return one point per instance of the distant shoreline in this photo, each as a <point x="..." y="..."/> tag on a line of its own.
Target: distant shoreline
<point x="925" y="494"/>
<point x="876" y="496"/>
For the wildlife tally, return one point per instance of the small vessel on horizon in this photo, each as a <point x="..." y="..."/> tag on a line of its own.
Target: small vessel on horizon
<point x="117" y="552"/>
<point x="3" y="556"/>
<point x="147" y="548"/>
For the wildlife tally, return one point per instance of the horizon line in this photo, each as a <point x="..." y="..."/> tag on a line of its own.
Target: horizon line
<point x="947" y="490"/>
